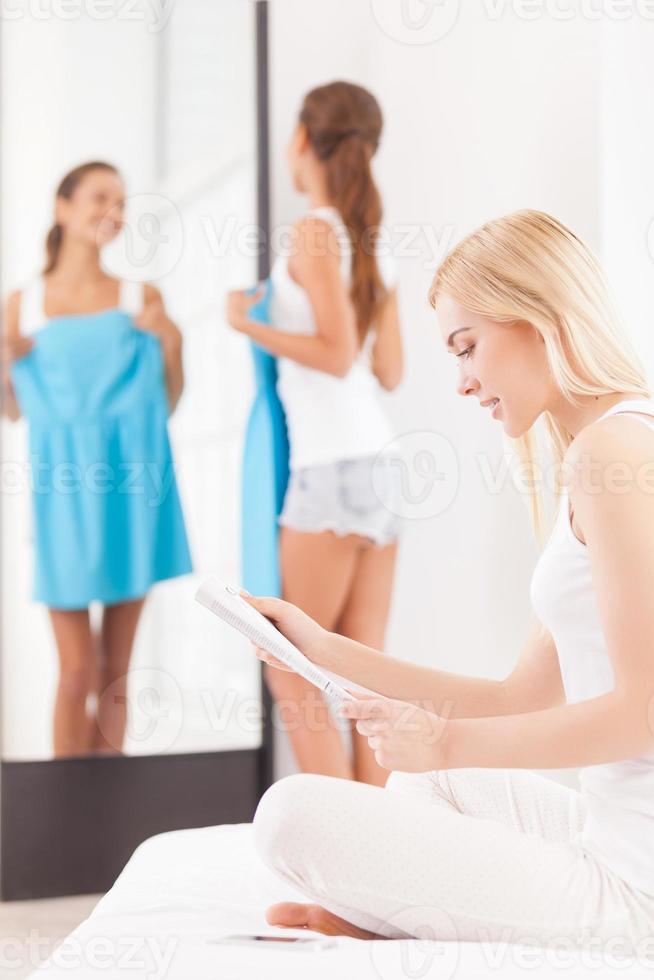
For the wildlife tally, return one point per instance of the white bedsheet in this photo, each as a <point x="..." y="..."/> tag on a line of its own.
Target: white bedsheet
<point x="182" y="890"/>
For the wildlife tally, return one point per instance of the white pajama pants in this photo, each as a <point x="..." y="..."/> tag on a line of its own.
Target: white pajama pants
<point x="465" y="854"/>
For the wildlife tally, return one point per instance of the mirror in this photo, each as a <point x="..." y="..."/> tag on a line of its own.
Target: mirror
<point x="153" y="95"/>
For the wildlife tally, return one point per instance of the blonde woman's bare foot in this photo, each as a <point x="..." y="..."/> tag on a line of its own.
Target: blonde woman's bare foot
<point x="293" y="915"/>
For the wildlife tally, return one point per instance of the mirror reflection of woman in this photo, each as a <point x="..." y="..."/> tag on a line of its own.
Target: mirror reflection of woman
<point x="95" y="365"/>
<point x="335" y="330"/>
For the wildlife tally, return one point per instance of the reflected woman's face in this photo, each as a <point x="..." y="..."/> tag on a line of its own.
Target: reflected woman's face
<point x="95" y="211"/>
<point x="497" y="360"/>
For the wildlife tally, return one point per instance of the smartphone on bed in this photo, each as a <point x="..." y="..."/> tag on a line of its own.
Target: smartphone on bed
<point x="307" y="943"/>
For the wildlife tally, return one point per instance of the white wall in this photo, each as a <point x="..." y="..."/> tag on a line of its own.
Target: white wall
<point x="493" y="117"/>
<point x="627" y="160"/>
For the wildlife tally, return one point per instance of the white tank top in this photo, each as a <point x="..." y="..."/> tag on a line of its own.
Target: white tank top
<point x="32" y="313"/>
<point x="328" y="418"/>
<point x="619" y="829"/>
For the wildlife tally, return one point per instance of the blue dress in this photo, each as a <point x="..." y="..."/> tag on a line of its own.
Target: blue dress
<point x="108" y="522"/>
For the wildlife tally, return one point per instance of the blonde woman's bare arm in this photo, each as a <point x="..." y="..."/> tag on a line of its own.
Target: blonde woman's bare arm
<point x="535" y="683"/>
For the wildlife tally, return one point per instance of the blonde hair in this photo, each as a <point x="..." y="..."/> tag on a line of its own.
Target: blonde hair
<point x="529" y="266"/>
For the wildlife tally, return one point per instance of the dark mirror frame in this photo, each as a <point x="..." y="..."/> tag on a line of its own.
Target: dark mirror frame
<point x="68" y="826"/>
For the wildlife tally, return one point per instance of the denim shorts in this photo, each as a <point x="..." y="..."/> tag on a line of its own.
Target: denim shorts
<point x="349" y="496"/>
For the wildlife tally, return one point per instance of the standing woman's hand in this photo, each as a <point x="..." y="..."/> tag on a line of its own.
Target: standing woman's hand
<point x="238" y="306"/>
<point x="154" y="319"/>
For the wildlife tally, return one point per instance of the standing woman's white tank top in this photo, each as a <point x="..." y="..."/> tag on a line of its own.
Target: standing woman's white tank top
<point x="329" y="418"/>
<point x="619" y="796"/>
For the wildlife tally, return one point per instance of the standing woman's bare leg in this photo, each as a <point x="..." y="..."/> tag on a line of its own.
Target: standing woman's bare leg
<point x="317" y="571"/>
<point x="72" y="632"/>
<point x="364" y="619"/>
<point x="119" y="624"/>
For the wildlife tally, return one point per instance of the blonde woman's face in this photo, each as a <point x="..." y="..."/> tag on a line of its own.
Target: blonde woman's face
<point x="506" y="361"/>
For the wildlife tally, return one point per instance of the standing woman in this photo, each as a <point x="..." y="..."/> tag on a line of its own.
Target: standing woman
<point x="95" y="366"/>
<point x="336" y="334"/>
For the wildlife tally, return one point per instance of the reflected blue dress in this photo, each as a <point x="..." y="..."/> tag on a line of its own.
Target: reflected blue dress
<point x="265" y="469"/>
<point x="107" y="517"/>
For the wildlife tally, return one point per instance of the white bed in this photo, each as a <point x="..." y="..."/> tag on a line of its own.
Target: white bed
<point x="182" y="890"/>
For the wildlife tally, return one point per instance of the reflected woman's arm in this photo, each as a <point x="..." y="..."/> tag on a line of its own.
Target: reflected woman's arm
<point x="154" y="319"/>
<point x="13" y="347"/>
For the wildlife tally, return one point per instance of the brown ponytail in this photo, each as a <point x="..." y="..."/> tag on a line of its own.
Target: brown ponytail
<point x="65" y="190"/>
<point x="344" y="124"/>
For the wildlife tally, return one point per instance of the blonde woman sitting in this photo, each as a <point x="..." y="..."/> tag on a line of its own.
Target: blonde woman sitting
<point x="465" y="842"/>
